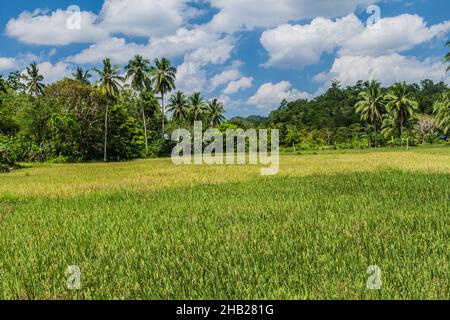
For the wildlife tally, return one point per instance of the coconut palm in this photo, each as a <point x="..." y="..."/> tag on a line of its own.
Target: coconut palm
<point x="216" y="110"/>
<point x="138" y="70"/>
<point x="442" y="112"/>
<point x="197" y="107"/>
<point x="81" y="75"/>
<point x="164" y="75"/>
<point x="371" y="105"/>
<point x="447" y="57"/>
<point x="179" y="106"/>
<point x="401" y="107"/>
<point x="110" y="84"/>
<point x="33" y="80"/>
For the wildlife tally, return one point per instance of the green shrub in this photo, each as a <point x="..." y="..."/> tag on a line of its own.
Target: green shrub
<point x="7" y="158"/>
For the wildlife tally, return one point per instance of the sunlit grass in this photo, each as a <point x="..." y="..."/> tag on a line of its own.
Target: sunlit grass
<point x="149" y="229"/>
<point x="150" y="175"/>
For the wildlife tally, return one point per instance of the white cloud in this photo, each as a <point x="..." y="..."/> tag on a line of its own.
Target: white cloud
<point x="230" y="104"/>
<point x="143" y="17"/>
<point x="217" y="51"/>
<point x="224" y="77"/>
<point x="235" y="86"/>
<point x="270" y="95"/>
<point x="116" y="48"/>
<point x="302" y="45"/>
<point x="7" y="63"/>
<point x="387" y="69"/>
<point x="392" y="35"/>
<point x="236" y="15"/>
<point x="296" y="46"/>
<point x="54" y="72"/>
<point x="148" y="18"/>
<point x="191" y="77"/>
<point x="43" y="29"/>
<point x="201" y="46"/>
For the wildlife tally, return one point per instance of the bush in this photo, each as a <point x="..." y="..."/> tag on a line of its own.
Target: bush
<point x="7" y="158"/>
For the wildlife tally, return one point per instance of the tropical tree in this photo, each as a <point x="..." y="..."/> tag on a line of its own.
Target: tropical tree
<point x="447" y="57"/>
<point x="371" y="105"/>
<point x="179" y="106"/>
<point x="138" y="70"/>
<point x="164" y="75"/>
<point x="81" y="75"/>
<point x="401" y="107"/>
<point x="110" y="84"/>
<point x="33" y="80"/>
<point x="426" y="127"/>
<point x="15" y="81"/>
<point x="197" y="107"/>
<point x="216" y="110"/>
<point x="442" y="112"/>
<point x="2" y="84"/>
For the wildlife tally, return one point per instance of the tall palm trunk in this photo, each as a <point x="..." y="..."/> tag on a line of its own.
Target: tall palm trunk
<point x="145" y="130"/>
<point x="105" y="152"/>
<point x="375" y="132"/>
<point x="163" y="114"/>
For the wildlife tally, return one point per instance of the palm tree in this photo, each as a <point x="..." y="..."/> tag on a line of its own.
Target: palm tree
<point x="138" y="70"/>
<point x="34" y="80"/>
<point x="197" y="107"/>
<point x="109" y="83"/>
<point x="371" y="105"/>
<point x="442" y="112"/>
<point x="81" y="75"/>
<point x="216" y="110"/>
<point x="164" y="75"/>
<point x="401" y="106"/>
<point x="179" y="106"/>
<point x="447" y="57"/>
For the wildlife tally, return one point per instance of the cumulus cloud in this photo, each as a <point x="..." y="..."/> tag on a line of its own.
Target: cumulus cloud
<point x="51" y="29"/>
<point x="302" y="45"/>
<point x="387" y="69"/>
<point x="237" y="15"/>
<point x="395" y="34"/>
<point x="147" y="18"/>
<point x="237" y="85"/>
<point x="201" y="46"/>
<point x="191" y="77"/>
<point x="224" y="77"/>
<point x="297" y="46"/>
<point x="269" y="95"/>
<point x="143" y="17"/>
<point x="7" y="63"/>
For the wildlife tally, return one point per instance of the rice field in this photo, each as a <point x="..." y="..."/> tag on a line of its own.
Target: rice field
<point x="151" y="230"/>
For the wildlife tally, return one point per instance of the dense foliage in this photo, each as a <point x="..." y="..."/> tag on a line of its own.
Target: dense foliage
<point x="361" y="116"/>
<point x="117" y="118"/>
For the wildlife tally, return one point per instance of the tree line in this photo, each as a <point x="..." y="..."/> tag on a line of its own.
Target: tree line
<point x="362" y="116"/>
<point x="120" y="116"/>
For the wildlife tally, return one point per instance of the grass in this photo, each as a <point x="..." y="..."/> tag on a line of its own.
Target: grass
<point x="151" y="230"/>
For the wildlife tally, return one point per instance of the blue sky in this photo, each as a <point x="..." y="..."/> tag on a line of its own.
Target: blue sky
<point x="250" y="53"/>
